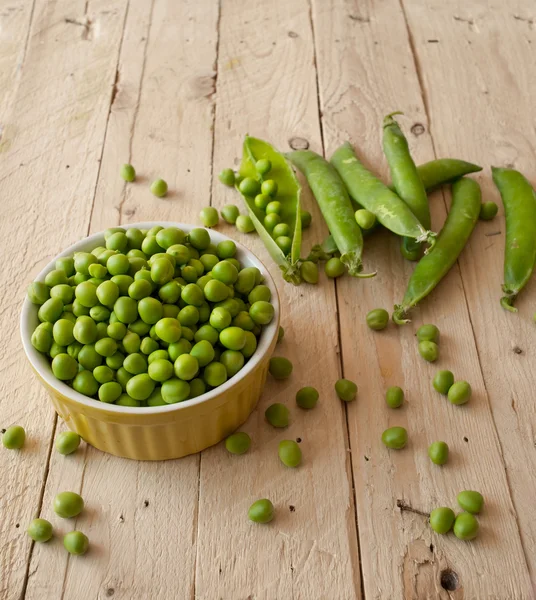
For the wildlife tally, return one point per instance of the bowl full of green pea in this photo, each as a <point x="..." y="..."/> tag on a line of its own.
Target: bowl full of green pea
<point x="152" y="339"/>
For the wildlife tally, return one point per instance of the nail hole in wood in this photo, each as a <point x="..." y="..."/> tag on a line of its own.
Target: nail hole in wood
<point x="110" y="592"/>
<point x="465" y="439"/>
<point x="449" y="580"/>
<point x="292" y="34"/>
<point x="2" y="430"/>
<point x="292" y="508"/>
<point x="146" y="503"/>
<point x="367" y="458"/>
<point x="17" y="525"/>
<point x="517" y="350"/>
<point x="298" y="440"/>
<point x="417" y="129"/>
<point x="121" y="519"/>
<point x="67" y="166"/>
<point x="433" y="41"/>
<point x="431" y="547"/>
<point x="298" y="143"/>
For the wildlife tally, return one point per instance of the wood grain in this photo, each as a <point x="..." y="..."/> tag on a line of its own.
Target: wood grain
<point x="367" y="73"/>
<point x="500" y="132"/>
<point x="266" y="87"/>
<point x="46" y="181"/>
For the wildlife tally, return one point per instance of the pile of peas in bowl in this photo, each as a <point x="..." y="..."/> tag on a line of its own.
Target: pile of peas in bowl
<point x="153" y="317"/>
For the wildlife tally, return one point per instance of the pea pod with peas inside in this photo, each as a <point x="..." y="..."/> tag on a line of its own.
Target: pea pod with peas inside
<point x="367" y="190"/>
<point x="519" y="199"/>
<point x="431" y="269"/>
<point x="288" y="195"/>
<point x="336" y="207"/>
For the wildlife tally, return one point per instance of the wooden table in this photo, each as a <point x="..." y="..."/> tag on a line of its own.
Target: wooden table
<point x="172" y="86"/>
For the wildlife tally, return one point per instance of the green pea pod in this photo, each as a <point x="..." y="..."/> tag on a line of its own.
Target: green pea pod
<point x="444" y="170"/>
<point x="367" y="190"/>
<point x="336" y="207"/>
<point x="430" y="270"/>
<point x="519" y="201"/>
<point x="288" y="195"/>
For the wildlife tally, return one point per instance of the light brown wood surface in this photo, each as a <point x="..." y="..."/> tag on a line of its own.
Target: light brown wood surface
<point x="173" y="86"/>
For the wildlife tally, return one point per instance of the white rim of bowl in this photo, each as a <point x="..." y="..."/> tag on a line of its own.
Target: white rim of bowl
<point x="89" y="243"/>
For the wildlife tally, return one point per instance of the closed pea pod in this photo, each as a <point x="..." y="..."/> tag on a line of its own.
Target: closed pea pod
<point x="431" y="269"/>
<point x="367" y="190"/>
<point x="444" y="170"/>
<point x="519" y="199"/>
<point x="333" y="200"/>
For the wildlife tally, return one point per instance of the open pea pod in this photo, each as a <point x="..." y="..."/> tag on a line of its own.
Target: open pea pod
<point x="288" y="195"/>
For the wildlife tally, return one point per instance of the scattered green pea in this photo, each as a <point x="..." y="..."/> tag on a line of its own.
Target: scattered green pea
<point x="429" y="351"/>
<point x="277" y="415"/>
<point x="334" y="268"/>
<point x="488" y="211"/>
<point x="67" y="442"/>
<point x="365" y="219"/>
<point x="238" y="443"/>
<point x="443" y="381"/>
<point x="395" y="437"/>
<point x="394" y="397"/>
<point x="307" y="397"/>
<point x="428" y="333"/>
<point x="261" y="511"/>
<point x="159" y="188"/>
<point x="438" y="453"/>
<point x="227" y="177"/>
<point x="230" y="212"/>
<point x="309" y="271"/>
<point x="14" y="437"/>
<point x="290" y="453"/>
<point x="471" y="501"/>
<point x="76" y="542"/>
<point x="249" y="186"/>
<point x="128" y="173"/>
<point x="306" y="219"/>
<point x="244" y="224"/>
<point x="209" y="216"/>
<point x="68" y="504"/>
<point x="280" y="367"/>
<point x="378" y="319"/>
<point x="442" y="519"/>
<point x="346" y="390"/>
<point x="40" y="530"/>
<point x="466" y="526"/>
<point x="459" y="392"/>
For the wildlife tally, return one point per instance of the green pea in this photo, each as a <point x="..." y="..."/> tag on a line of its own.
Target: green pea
<point x="225" y="272"/>
<point x="67" y="442"/>
<point x="459" y="392"/>
<point x="471" y="501"/>
<point x="50" y="311"/>
<point x="118" y="264"/>
<point x="180" y="253"/>
<point x="109" y="392"/>
<point x="75" y="542"/>
<point x="263" y="166"/>
<point x="309" y="271"/>
<point x="281" y="229"/>
<point x="128" y="173"/>
<point x="14" y="437"/>
<point x="199" y="238"/>
<point x="150" y="246"/>
<point x="395" y="437"/>
<point x="290" y="453"/>
<point x="42" y="338"/>
<point x="64" y="292"/>
<point x="271" y="221"/>
<point x="197" y="388"/>
<point x="38" y="293"/>
<point x="103" y="374"/>
<point x="98" y="271"/>
<point x="232" y="360"/>
<point x="148" y="345"/>
<point x="244" y="321"/>
<point x="216" y="291"/>
<point x="488" y="211"/>
<point x="244" y="224"/>
<point x="88" y="357"/>
<point x="273" y="207"/>
<point x="64" y="367"/>
<point x="202" y="352"/>
<point x="141" y="386"/>
<point x="209" y="216"/>
<point x="346" y="390"/>
<point x="131" y="342"/>
<point x="261" y="511"/>
<point x="250" y="346"/>
<point x="175" y="390"/>
<point x="365" y="219"/>
<point x="378" y="319"/>
<point x="280" y="334"/>
<point x="108" y="293"/>
<point x="85" y="383"/>
<point x="155" y="399"/>
<point x="82" y="260"/>
<point x="334" y="268"/>
<point x="429" y="351"/>
<point x="442" y="519"/>
<point x="56" y="349"/>
<point x="262" y="201"/>
<point x="162" y="271"/>
<point x="40" y="530"/>
<point x="394" y="397"/>
<point x="135" y="363"/>
<point x="307" y="397"/>
<point x="215" y="374"/>
<point x="66" y="263"/>
<point x="277" y="415"/>
<point x="135" y="239"/>
<point x="226" y="249"/>
<point x="159" y="355"/>
<point x="306" y="219"/>
<point x="68" y="505"/>
<point x="465" y="526"/>
<point x="280" y="367"/>
<point x="159" y="188"/>
<point x="227" y="177"/>
<point x="285" y="243"/>
<point x="261" y="312"/>
<point x="220" y="318"/>
<point x="168" y="330"/>
<point x="139" y="289"/>
<point x="443" y="381"/>
<point x="160" y="370"/>
<point x="249" y="186"/>
<point x="269" y="187"/>
<point x="123" y="377"/>
<point x="115" y="361"/>
<point x="230" y="212"/>
<point x="126" y="309"/>
<point x="207" y="332"/>
<point x="150" y="310"/>
<point x="438" y="453"/>
<point x="246" y="280"/>
<point x="106" y="346"/>
<point x="238" y="443"/>
<point x="99" y="313"/>
<point x="116" y="331"/>
<point x="126" y="400"/>
<point x="186" y="367"/>
<point x="428" y="333"/>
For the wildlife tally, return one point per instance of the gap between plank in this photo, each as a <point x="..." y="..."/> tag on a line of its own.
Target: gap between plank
<point x="424" y="97"/>
<point x="350" y="475"/>
<point x="212" y="182"/>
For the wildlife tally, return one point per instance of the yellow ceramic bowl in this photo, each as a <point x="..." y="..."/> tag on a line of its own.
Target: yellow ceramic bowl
<point x="161" y="432"/>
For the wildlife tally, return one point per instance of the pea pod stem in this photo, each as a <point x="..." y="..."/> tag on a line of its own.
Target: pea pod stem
<point x="519" y="201"/>
<point x="336" y="207"/>
<point x="430" y="270"/>
<point x="367" y="190"/>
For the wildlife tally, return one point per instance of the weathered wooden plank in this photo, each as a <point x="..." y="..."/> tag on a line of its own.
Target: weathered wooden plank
<point x="141" y="517"/>
<point x="266" y="86"/>
<point x="366" y="70"/>
<point x="485" y="111"/>
<point x="46" y="181"/>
